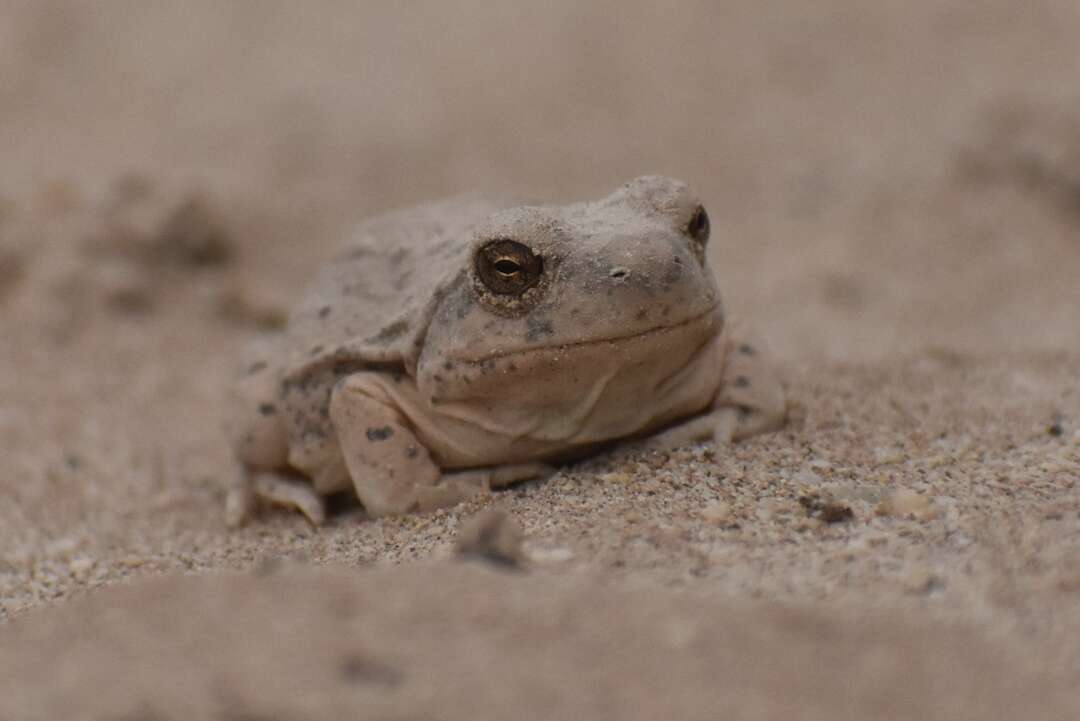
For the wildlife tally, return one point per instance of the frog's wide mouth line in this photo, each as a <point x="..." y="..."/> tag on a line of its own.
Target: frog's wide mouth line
<point x="657" y="330"/>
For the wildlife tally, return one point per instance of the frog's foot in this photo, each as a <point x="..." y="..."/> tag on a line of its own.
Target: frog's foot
<point x="239" y="499"/>
<point x="505" y="475"/>
<point x="751" y="398"/>
<point x="290" y="493"/>
<point x="453" y="488"/>
<point x="751" y="401"/>
<point x="700" y="428"/>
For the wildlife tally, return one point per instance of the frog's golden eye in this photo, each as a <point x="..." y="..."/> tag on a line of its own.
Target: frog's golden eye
<point x="507" y="267"/>
<point x="698" y="227"/>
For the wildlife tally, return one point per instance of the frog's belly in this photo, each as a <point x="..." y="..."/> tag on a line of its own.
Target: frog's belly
<point x="563" y="404"/>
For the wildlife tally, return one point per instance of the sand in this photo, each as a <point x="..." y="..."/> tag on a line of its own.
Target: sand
<point x="895" y="196"/>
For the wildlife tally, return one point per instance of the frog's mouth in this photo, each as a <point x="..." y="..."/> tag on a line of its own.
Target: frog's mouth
<point x="708" y="323"/>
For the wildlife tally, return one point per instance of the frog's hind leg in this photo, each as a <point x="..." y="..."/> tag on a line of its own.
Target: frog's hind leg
<point x="392" y="471"/>
<point x="283" y="491"/>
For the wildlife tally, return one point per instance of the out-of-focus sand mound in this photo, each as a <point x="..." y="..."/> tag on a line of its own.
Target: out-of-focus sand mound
<point x="895" y="195"/>
<point x="457" y="641"/>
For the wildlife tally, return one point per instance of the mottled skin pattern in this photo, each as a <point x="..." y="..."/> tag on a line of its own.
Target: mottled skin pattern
<point x="462" y="345"/>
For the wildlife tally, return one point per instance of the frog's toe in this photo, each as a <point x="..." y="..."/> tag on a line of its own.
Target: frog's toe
<point x="299" y="495"/>
<point x="239" y="500"/>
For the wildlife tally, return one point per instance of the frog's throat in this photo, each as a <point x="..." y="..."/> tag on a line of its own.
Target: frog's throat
<point x="713" y="310"/>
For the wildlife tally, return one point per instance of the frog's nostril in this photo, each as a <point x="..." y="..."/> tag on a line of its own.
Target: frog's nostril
<point x="619" y="273"/>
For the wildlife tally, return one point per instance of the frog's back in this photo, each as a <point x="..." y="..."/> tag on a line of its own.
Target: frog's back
<point x="365" y="308"/>
<point x="366" y="304"/>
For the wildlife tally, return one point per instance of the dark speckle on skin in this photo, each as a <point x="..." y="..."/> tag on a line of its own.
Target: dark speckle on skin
<point x="324" y="311"/>
<point x="742" y="382"/>
<point x="267" y="409"/>
<point x="256" y="367"/>
<point x="316" y="350"/>
<point x="747" y="349"/>
<point x="411" y="451"/>
<point x="745" y="412"/>
<point x="379" y="434"/>
<point x="437" y="378"/>
<point x="538" y="327"/>
<point x="459" y="304"/>
<point x="391" y="332"/>
<point x="641" y="314"/>
<point x="448" y="365"/>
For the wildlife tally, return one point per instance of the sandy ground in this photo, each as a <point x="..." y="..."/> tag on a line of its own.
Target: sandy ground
<point x="895" y="194"/>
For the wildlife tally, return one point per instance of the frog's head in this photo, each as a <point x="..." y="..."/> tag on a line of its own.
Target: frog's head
<point x="555" y="285"/>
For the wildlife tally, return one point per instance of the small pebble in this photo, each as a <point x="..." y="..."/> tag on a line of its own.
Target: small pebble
<point x="717" y="513"/>
<point x="807" y="477"/>
<point x="826" y="509"/>
<point x="80" y="567"/>
<point x="906" y="502"/>
<point x="922" y="580"/>
<point x="493" y="536"/>
<point x="888" y="456"/>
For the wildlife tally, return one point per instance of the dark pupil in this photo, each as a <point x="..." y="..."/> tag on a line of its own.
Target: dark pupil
<point x="507" y="267"/>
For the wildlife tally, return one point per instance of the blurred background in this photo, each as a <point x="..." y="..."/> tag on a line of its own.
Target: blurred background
<point x="894" y="189"/>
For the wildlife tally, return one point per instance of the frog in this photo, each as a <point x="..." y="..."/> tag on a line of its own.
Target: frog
<point x="452" y="349"/>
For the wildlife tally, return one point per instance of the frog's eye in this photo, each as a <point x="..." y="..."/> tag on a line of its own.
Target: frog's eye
<point x="507" y="267"/>
<point x="698" y="227"/>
